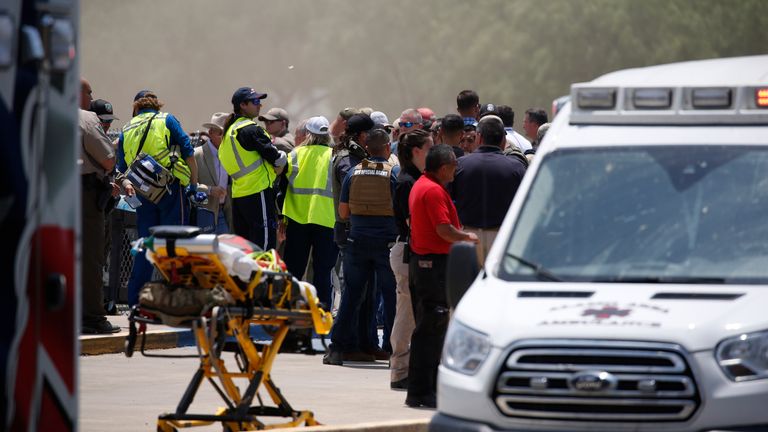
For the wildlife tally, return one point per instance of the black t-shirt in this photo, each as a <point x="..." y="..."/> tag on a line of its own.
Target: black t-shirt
<point x="484" y="185"/>
<point x="405" y="180"/>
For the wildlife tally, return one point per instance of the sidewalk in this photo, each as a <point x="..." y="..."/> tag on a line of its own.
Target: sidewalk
<point x="158" y="337"/>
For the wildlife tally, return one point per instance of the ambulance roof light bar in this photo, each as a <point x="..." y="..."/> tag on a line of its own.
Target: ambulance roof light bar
<point x="711" y="98"/>
<point x="761" y="97"/>
<point x="671" y="105"/>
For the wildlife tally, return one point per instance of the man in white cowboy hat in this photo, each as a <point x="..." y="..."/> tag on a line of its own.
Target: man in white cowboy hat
<point x="212" y="177"/>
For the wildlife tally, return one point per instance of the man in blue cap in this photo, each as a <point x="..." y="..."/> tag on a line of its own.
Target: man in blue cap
<point x="253" y="162"/>
<point x="158" y="135"/>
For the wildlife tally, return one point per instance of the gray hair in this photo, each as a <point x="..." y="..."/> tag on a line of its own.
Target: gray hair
<point x="412" y="113"/>
<point x="301" y="128"/>
<point x="542" y="131"/>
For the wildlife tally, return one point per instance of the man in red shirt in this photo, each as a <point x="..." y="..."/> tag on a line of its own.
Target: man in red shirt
<point x="434" y="227"/>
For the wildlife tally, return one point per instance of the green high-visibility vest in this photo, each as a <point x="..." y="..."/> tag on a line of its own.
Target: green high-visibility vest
<point x="157" y="144"/>
<point x="249" y="173"/>
<point x="309" y="198"/>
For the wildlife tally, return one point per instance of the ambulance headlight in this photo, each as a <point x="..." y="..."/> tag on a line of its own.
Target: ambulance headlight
<point x="465" y="349"/>
<point x="744" y="357"/>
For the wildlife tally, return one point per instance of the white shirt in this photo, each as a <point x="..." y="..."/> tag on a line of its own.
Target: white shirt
<point x="519" y="141"/>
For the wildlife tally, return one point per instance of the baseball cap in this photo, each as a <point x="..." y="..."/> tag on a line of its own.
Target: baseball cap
<point x="318" y="125"/>
<point x="218" y="121"/>
<point x="143" y="93"/>
<point x="244" y="94"/>
<point x="359" y="123"/>
<point x="274" y="114"/>
<point x="348" y="112"/>
<point x="103" y="109"/>
<point x="487" y="109"/>
<point x="380" y="119"/>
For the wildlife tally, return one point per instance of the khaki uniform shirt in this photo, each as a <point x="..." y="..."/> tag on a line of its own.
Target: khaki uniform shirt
<point x="95" y="144"/>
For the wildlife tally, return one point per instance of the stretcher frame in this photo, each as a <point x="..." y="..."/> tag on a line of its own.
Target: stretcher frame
<point x="254" y="362"/>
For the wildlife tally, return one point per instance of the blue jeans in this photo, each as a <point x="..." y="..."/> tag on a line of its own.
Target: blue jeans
<point x="363" y="259"/>
<point x="173" y="209"/>
<point x="221" y="223"/>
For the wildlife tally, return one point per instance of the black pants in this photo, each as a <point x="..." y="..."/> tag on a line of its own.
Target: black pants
<point x="92" y="264"/>
<point x="431" y="314"/>
<point x="254" y="218"/>
<point x="299" y="240"/>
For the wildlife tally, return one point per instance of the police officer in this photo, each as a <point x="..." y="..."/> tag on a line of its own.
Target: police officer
<point x="98" y="160"/>
<point x="248" y="156"/>
<point x="308" y="208"/>
<point x="366" y="199"/>
<point x="159" y="135"/>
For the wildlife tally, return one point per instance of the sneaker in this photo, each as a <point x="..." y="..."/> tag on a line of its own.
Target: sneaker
<point x="426" y="401"/>
<point x="333" y="357"/>
<point x="101" y="327"/>
<point x="378" y="353"/>
<point x="399" y="385"/>
<point x="358" y="356"/>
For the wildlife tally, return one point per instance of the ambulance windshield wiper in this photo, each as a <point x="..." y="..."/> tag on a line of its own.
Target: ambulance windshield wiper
<point x="541" y="272"/>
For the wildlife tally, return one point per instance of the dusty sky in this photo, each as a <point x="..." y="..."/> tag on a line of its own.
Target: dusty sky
<point x="315" y="57"/>
<point x="195" y="53"/>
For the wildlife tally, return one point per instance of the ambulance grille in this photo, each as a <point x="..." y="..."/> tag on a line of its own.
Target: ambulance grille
<point x="596" y="381"/>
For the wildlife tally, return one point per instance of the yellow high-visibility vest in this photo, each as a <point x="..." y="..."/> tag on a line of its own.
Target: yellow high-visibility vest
<point x="157" y="144"/>
<point x="249" y="173"/>
<point x="309" y="198"/>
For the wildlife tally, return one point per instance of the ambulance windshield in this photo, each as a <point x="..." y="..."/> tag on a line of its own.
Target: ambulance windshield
<point x="685" y="214"/>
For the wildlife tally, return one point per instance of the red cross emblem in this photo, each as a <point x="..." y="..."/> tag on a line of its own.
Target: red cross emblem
<point x="606" y="312"/>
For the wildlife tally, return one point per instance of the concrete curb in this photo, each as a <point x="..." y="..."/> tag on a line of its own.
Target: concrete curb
<point x="158" y="337"/>
<point x="389" y="426"/>
<point x="115" y="343"/>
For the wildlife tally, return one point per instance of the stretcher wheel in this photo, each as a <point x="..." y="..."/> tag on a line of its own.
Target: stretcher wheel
<point x="130" y="341"/>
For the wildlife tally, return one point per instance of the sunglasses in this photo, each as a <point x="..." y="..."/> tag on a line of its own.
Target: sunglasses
<point x="407" y="124"/>
<point x="255" y="101"/>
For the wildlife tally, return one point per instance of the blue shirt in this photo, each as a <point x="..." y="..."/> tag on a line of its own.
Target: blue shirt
<point x="178" y="137"/>
<point x="371" y="227"/>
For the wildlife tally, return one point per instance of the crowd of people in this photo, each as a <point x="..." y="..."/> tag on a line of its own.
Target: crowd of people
<point x="363" y="208"/>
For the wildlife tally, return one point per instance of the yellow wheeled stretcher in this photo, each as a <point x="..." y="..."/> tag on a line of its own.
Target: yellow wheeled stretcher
<point x="221" y="286"/>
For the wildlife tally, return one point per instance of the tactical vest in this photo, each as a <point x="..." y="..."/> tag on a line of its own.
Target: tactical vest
<point x="309" y="198"/>
<point x="157" y="144"/>
<point x="370" y="190"/>
<point x="250" y="175"/>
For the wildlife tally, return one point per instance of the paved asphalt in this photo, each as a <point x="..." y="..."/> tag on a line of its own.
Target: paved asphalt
<point x="127" y="394"/>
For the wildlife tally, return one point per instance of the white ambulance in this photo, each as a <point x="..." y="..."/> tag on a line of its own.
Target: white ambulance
<point x="627" y="289"/>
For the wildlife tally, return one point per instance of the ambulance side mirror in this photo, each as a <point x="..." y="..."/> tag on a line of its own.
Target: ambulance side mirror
<point x="462" y="271"/>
